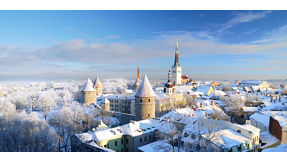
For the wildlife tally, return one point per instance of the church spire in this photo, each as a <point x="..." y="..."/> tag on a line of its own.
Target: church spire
<point x="138" y="73"/>
<point x="176" y="63"/>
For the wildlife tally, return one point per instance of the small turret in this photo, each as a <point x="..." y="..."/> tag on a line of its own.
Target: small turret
<point x="137" y="82"/>
<point x="98" y="86"/>
<point x="169" y="86"/>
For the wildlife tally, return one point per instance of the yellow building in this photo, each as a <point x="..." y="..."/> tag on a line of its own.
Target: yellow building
<point x="264" y="84"/>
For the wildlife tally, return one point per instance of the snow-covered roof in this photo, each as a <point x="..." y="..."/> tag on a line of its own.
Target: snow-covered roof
<point x="88" y="86"/>
<point x="108" y="120"/>
<point x="183" y="89"/>
<point x="145" y="89"/>
<point x="157" y="146"/>
<point x="161" y="96"/>
<point x="183" y="115"/>
<point x="249" y="128"/>
<point x="280" y="116"/>
<point x="227" y="138"/>
<point x="102" y="126"/>
<point x="279" y="148"/>
<point x="122" y="96"/>
<point x="250" y="82"/>
<point x="261" y="118"/>
<point x="203" y="89"/>
<point x="98" y="83"/>
<point x="133" y="129"/>
<point x="250" y="109"/>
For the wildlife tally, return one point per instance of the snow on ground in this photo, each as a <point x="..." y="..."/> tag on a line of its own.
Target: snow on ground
<point x="279" y="148"/>
<point x="250" y="109"/>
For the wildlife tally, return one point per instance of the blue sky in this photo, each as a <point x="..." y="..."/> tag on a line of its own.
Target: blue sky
<point x="65" y="45"/>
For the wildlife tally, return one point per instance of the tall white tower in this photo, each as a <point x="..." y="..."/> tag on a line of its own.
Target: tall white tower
<point x="176" y="68"/>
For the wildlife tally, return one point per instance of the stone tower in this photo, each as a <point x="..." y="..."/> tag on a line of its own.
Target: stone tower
<point x="176" y="68"/>
<point x="98" y="86"/>
<point x="105" y="105"/>
<point x="137" y="82"/>
<point x="144" y="101"/>
<point x="169" y="86"/>
<point x="89" y="93"/>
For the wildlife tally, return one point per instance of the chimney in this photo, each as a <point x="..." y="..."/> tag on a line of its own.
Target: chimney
<point x="248" y="122"/>
<point x="201" y="105"/>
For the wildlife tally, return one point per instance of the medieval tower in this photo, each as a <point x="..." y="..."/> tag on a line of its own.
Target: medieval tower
<point x="137" y="82"/>
<point x="176" y="68"/>
<point x="98" y="86"/>
<point x="89" y="94"/>
<point x="144" y="101"/>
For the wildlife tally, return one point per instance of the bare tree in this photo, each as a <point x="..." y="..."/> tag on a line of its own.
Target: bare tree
<point x="196" y="142"/>
<point x="226" y="86"/>
<point x="235" y="103"/>
<point x="171" y="131"/>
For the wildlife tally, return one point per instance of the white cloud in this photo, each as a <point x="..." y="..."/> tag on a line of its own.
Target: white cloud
<point x="243" y="18"/>
<point x="78" y="59"/>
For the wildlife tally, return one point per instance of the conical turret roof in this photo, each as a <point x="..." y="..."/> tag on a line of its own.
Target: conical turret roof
<point x="98" y="83"/>
<point x="145" y="89"/>
<point x="88" y="86"/>
<point x="137" y="82"/>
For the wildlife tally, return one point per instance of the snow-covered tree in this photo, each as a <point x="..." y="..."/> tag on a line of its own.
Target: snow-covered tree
<point x="46" y="101"/>
<point x="7" y="109"/>
<point x="23" y="133"/>
<point x="20" y="100"/>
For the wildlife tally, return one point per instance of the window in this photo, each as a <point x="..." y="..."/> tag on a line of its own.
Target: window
<point x="108" y="146"/>
<point x="116" y="143"/>
<point x="148" y="115"/>
<point x="145" y="138"/>
<point x="141" y="140"/>
<point x="141" y="100"/>
<point x="127" y="141"/>
<point x="122" y="141"/>
<point x="105" y="146"/>
<point x="149" y="137"/>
